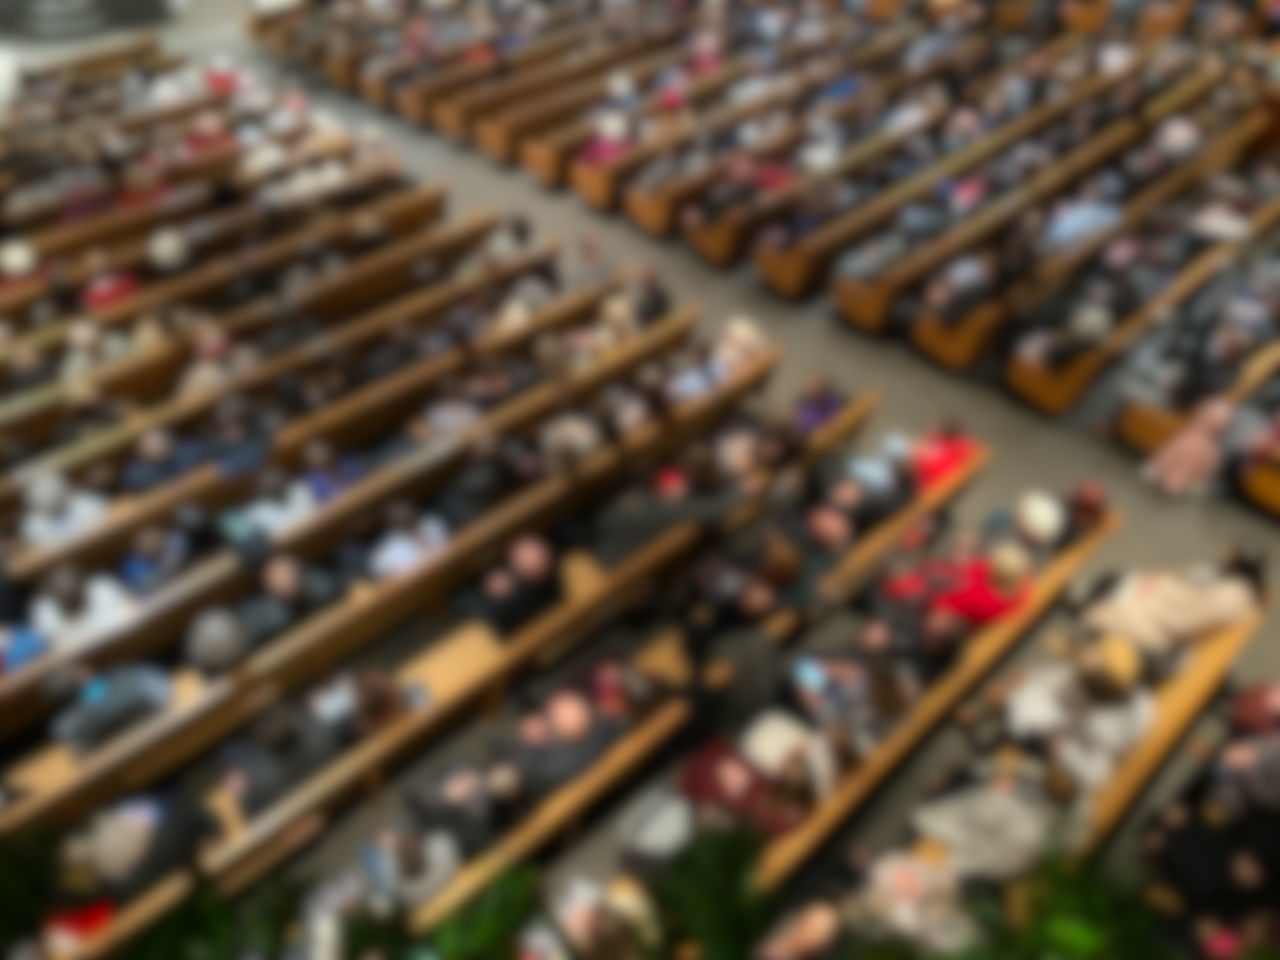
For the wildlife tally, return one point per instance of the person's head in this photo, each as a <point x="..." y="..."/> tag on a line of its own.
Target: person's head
<point x="401" y="516"/>
<point x="846" y="495"/>
<point x="756" y="599"/>
<point x="149" y="542"/>
<point x="533" y="730"/>
<point x="318" y="456"/>
<point x="1010" y="565"/>
<point x="47" y="491"/>
<point x="278" y="729"/>
<point x="460" y="787"/>
<point x="499" y="585"/>
<point x="17" y="259"/>
<point x="282" y="577"/>
<point x="1041" y="518"/>
<point x="1248" y="564"/>
<point x="531" y="559"/>
<point x="569" y="716"/>
<point x="876" y="637"/>
<point x="216" y="641"/>
<point x="97" y="262"/>
<point x="64" y="584"/>
<point x="155" y="446"/>
<point x="828" y="528"/>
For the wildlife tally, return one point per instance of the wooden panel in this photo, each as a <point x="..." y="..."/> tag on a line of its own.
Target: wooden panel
<point x="979" y="656"/>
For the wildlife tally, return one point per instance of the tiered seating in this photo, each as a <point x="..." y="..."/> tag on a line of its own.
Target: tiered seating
<point x="959" y="182"/>
<point x="1076" y="736"/>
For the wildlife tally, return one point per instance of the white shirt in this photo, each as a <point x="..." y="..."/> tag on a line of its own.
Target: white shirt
<point x="82" y="510"/>
<point x="108" y="606"/>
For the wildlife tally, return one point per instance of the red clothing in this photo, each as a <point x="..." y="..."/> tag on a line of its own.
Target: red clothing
<point x="672" y="98"/>
<point x="482" y="54"/>
<point x="937" y="457"/>
<point x="198" y="145"/>
<point x="141" y="198"/>
<point x="102" y="292"/>
<point x="975" y="597"/>
<point x="704" y="63"/>
<point x="755" y="803"/>
<point x="773" y="176"/>
<point x="601" y="151"/>
<point x="222" y="83"/>
<point x="80" y="923"/>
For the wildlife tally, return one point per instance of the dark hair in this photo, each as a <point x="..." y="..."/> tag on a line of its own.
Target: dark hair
<point x="1250" y="565"/>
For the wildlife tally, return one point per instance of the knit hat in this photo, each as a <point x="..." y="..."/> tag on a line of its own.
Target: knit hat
<point x="216" y="641"/>
<point x="17" y="259"/>
<point x="167" y="249"/>
<point x="1041" y="518"/>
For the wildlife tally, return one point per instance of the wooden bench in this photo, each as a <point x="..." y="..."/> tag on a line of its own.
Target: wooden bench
<point x="470" y="663"/>
<point x="501" y="134"/>
<point x="602" y="184"/>
<point x="217" y="232"/>
<point x="376" y="86"/>
<point x="561" y="810"/>
<point x="456" y="116"/>
<point x="786" y="855"/>
<point x="1055" y="390"/>
<point x="551" y="155"/>
<point x="722" y="241"/>
<point x="222" y="575"/>
<point x="151" y="375"/>
<point x="1145" y="428"/>
<point x="1179" y="702"/>
<point x="346" y="421"/>
<point x="867" y="305"/>
<point x="96" y="66"/>
<point x="416" y="101"/>
<point x="961" y="343"/>
<point x="53" y="782"/>
<point x="562" y="494"/>
<point x="793" y="271"/>
<point x="655" y="210"/>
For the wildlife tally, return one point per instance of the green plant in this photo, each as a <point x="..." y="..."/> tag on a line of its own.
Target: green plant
<point x="1061" y="912"/>
<point x="486" y="929"/>
<point x="707" y="896"/>
<point x="28" y="883"/>
<point x="208" y="927"/>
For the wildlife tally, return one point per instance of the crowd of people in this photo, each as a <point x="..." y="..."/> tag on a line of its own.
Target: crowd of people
<point x="297" y="471"/>
<point x="777" y="131"/>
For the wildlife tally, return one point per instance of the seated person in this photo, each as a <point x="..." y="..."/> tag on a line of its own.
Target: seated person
<point x="523" y="586"/>
<point x="325" y="473"/>
<point x="71" y="609"/>
<point x="281" y="502"/>
<point x="820" y="402"/>
<point x="1165" y="611"/>
<point x="108" y="702"/>
<point x="288" y="592"/>
<point x="409" y="542"/>
<point x="158" y="554"/>
<point x="157" y="459"/>
<point x="118" y="855"/>
<point x="284" y="747"/>
<point x="723" y="784"/>
<point x="54" y="510"/>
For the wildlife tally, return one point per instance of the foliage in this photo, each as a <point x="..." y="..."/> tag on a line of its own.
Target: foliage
<point x="708" y="897"/>
<point x="1062" y="912"/>
<point x="28" y="883"/>
<point x="208" y="927"/>
<point x="487" y="928"/>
